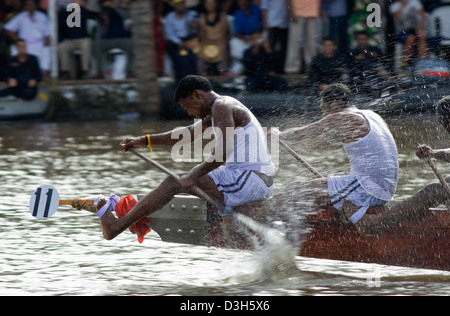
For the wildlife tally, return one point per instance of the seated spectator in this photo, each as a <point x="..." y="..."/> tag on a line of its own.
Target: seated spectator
<point x="22" y="74"/>
<point x="410" y="19"/>
<point x="214" y="37"/>
<point x="367" y="66"/>
<point x="177" y="25"/>
<point x="247" y="18"/>
<point x="325" y="67"/>
<point x="185" y="62"/>
<point x="258" y="61"/>
<point x="111" y="33"/>
<point x="4" y="47"/>
<point x="75" y="38"/>
<point x="33" y="27"/>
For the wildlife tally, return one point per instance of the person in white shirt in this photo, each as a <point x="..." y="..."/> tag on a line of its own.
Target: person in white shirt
<point x="410" y="21"/>
<point x="32" y="26"/>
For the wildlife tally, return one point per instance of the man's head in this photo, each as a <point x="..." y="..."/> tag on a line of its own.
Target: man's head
<point x="30" y="5"/>
<point x="443" y="112"/>
<point x="335" y="97"/>
<point x="328" y="48"/>
<point x="191" y="94"/>
<point x="21" y="47"/>
<point x="179" y="6"/>
<point x="361" y="39"/>
<point x="244" y="4"/>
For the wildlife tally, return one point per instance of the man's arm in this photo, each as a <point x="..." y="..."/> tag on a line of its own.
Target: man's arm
<point x="315" y="134"/>
<point x="424" y="151"/>
<point x="223" y="120"/>
<point x="167" y="138"/>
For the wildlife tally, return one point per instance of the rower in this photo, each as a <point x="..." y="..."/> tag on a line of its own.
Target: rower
<point x="369" y="146"/>
<point x="238" y="170"/>
<point x="430" y="196"/>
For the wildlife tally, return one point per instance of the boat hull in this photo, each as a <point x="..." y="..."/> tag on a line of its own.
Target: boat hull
<point x="420" y="243"/>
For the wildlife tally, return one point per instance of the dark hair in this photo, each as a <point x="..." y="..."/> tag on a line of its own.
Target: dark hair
<point x="328" y="39"/>
<point x="362" y="32"/>
<point x="190" y="83"/>
<point x="337" y="93"/>
<point x="443" y="109"/>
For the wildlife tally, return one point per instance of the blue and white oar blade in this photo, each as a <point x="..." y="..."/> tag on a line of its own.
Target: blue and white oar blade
<point x="44" y="202"/>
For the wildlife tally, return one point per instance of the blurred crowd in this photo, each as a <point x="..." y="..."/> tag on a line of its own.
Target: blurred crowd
<point x="261" y="39"/>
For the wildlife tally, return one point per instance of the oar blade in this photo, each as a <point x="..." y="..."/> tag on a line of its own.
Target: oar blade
<point x="44" y="202"/>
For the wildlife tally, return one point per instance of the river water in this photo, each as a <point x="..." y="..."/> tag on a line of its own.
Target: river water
<point x="66" y="254"/>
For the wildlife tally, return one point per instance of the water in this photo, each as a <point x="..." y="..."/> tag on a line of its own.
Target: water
<point x="66" y="254"/>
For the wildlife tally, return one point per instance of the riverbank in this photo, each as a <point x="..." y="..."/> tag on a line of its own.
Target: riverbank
<point x="103" y="99"/>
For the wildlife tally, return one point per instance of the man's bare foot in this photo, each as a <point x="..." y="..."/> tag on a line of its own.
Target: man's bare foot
<point x="107" y="221"/>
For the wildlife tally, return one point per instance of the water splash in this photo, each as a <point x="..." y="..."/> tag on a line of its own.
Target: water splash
<point x="274" y="254"/>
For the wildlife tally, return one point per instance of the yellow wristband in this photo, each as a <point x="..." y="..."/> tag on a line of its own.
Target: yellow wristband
<point x="149" y="144"/>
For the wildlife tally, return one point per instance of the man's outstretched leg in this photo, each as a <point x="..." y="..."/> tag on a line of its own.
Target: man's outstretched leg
<point x="152" y="202"/>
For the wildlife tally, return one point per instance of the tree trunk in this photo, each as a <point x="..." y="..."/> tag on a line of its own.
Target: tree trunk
<point x="144" y="57"/>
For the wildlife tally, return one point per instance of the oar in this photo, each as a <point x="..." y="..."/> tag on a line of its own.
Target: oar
<point x="303" y="161"/>
<point x="438" y="174"/>
<point x="196" y="190"/>
<point x="45" y="201"/>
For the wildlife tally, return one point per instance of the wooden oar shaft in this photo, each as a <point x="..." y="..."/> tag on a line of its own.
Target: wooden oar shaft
<point x="303" y="161"/>
<point x="438" y="175"/>
<point x="196" y="190"/>
<point x="81" y="202"/>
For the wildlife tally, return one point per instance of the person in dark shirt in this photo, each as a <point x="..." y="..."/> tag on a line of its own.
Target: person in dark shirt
<point x="22" y="74"/>
<point x="367" y="65"/>
<point x="75" y="38"/>
<point x="258" y="60"/>
<point x="112" y="33"/>
<point x="325" y="67"/>
<point x="185" y="59"/>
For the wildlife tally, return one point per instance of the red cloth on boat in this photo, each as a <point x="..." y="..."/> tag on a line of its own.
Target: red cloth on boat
<point x="123" y="207"/>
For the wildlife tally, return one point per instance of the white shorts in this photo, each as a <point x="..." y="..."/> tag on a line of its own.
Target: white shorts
<point x="241" y="186"/>
<point x="341" y="188"/>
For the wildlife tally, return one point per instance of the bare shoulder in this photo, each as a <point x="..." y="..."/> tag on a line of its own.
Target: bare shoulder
<point x="351" y="123"/>
<point x="229" y="106"/>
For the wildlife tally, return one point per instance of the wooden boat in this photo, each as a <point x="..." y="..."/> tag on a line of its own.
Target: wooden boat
<point x="422" y="243"/>
<point x="12" y="108"/>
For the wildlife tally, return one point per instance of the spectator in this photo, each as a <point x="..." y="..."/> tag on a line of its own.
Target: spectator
<point x="257" y="61"/>
<point x="178" y="24"/>
<point x="32" y="26"/>
<point x="410" y="19"/>
<point x="325" y="68"/>
<point x="338" y="23"/>
<point x="158" y="34"/>
<point x="3" y="47"/>
<point x="305" y="18"/>
<point x="214" y="37"/>
<point x="247" y="19"/>
<point x="276" y="21"/>
<point x="111" y="33"/>
<point x="185" y="62"/>
<point x="75" y="38"/>
<point x="367" y="66"/>
<point x="22" y="74"/>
